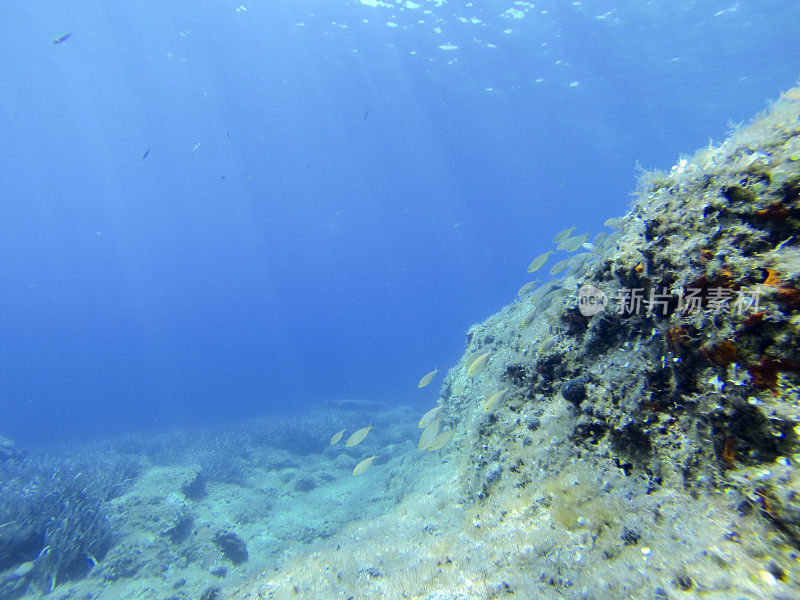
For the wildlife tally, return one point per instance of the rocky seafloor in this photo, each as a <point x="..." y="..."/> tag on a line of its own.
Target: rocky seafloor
<point x="649" y="450"/>
<point x="174" y="516"/>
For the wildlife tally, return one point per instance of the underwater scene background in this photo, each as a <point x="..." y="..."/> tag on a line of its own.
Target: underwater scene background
<point x="243" y="243"/>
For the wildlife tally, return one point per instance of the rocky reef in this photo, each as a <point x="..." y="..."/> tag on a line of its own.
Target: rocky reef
<point x="646" y="450"/>
<point x="669" y="421"/>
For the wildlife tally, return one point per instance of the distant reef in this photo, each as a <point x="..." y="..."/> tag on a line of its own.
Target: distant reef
<point x="647" y="442"/>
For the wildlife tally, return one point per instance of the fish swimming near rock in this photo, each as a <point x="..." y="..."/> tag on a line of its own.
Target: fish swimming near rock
<point x="336" y="437"/>
<point x="471" y="358"/>
<point x="429" y="434"/>
<point x="427" y="378"/>
<point x="363" y="465"/>
<point x="441" y="440"/>
<point x="562" y="235"/>
<point x="573" y="243"/>
<point x="429" y="416"/>
<point x="527" y="288"/>
<point x="479" y="364"/>
<point x="578" y="264"/>
<point x="548" y="343"/>
<point x="495" y="400"/>
<point x="611" y="240"/>
<point x="538" y="262"/>
<point x="542" y="291"/>
<point x="559" y="266"/>
<point x="529" y="316"/>
<point x="357" y="437"/>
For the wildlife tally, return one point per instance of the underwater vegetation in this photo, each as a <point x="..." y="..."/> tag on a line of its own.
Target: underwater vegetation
<point x="628" y="429"/>
<point x="191" y="507"/>
<point x="53" y="521"/>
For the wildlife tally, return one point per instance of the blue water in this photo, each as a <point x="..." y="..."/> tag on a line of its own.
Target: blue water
<point x="359" y="196"/>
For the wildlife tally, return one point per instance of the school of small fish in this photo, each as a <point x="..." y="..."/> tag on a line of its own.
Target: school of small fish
<point x="432" y="437"/>
<point x="355" y="438"/>
<point x="575" y="265"/>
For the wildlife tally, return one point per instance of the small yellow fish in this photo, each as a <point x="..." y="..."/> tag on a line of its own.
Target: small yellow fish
<point x="538" y="262"/>
<point x="573" y="243"/>
<point x="429" y="416"/>
<point x="428" y="378"/>
<point x="479" y="364"/>
<point x="429" y="433"/>
<point x="441" y="439"/>
<point x="496" y="399"/>
<point x="541" y="291"/>
<point x="471" y="358"/>
<point x="363" y="465"/>
<point x="548" y="343"/>
<point x="562" y="235"/>
<point x="336" y="437"/>
<point x="527" y="288"/>
<point x="611" y="240"/>
<point x="577" y="262"/>
<point x="529" y="316"/>
<point x="544" y="303"/>
<point x="559" y="266"/>
<point x="561" y="293"/>
<point x="357" y="437"/>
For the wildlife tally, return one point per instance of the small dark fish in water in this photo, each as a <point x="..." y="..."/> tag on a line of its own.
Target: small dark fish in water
<point x="146" y="152"/>
<point x="62" y="38"/>
<point x="365" y="115"/>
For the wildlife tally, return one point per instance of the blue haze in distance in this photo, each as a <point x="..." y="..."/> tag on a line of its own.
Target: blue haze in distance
<point x="333" y="192"/>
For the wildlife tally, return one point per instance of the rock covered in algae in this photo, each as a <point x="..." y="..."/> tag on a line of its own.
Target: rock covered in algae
<point x="686" y="385"/>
